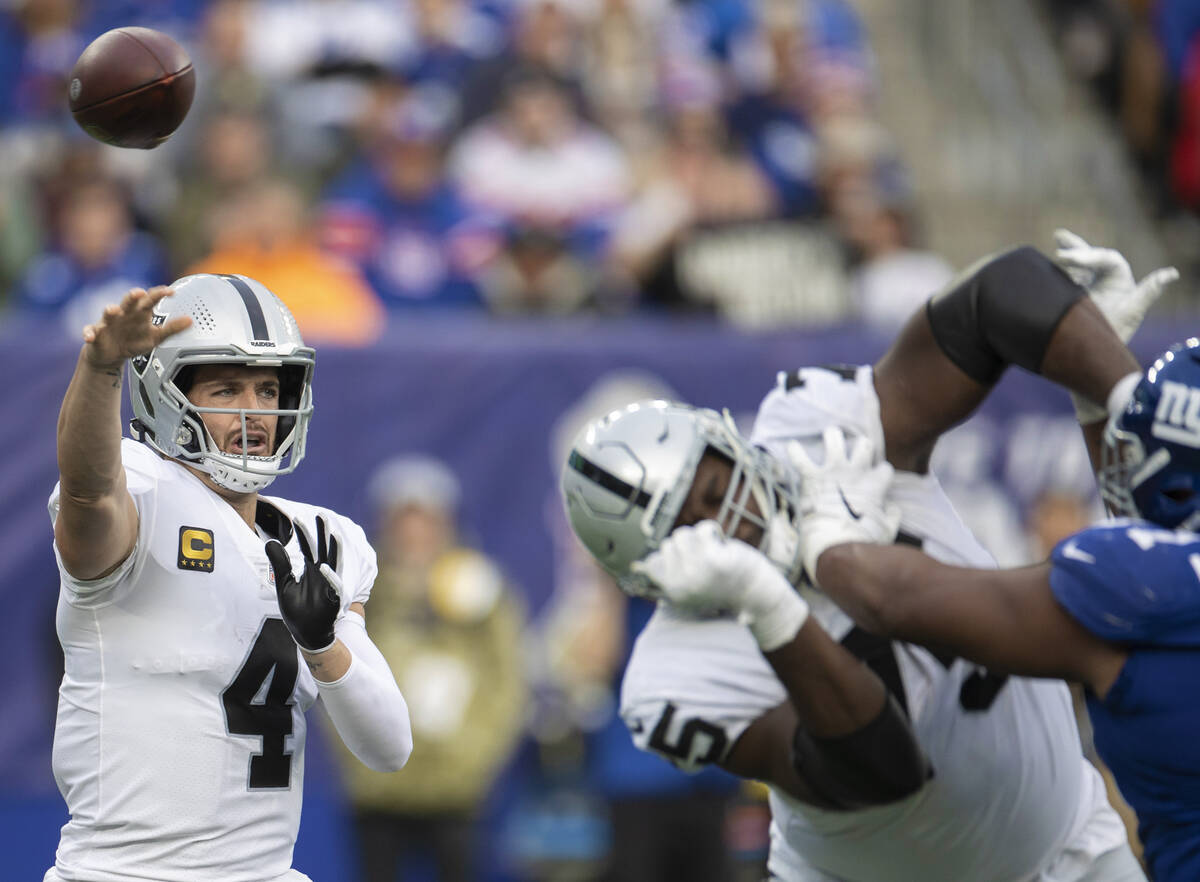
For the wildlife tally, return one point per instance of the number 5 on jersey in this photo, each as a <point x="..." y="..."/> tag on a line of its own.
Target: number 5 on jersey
<point x="706" y="740"/>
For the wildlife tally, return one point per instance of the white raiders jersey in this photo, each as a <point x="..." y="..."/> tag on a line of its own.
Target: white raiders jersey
<point x="1011" y="787"/>
<point x="179" y="744"/>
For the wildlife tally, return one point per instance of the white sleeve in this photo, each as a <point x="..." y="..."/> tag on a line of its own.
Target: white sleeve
<point x="691" y="688"/>
<point x="365" y="704"/>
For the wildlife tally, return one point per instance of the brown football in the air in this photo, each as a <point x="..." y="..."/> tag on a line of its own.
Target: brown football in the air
<point x="131" y="87"/>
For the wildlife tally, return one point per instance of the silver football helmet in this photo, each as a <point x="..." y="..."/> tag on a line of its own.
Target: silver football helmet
<point x="629" y="473"/>
<point x="234" y="319"/>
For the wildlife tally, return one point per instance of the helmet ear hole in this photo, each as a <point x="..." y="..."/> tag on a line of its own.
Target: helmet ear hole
<point x="146" y="401"/>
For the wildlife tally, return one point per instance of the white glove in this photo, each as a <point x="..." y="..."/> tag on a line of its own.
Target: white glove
<point x="1106" y="275"/>
<point x="700" y="570"/>
<point x="844" y="498"/>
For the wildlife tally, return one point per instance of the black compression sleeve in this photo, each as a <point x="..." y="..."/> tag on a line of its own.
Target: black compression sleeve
<point x="1002" y="311"/>
<point x="875" y="765"/>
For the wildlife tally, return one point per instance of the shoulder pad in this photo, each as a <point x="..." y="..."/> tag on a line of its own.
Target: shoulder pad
<point x="143" y="470"/>
<point x="144" y="466"/>
<point x="804" y="402"/>
<point x="1131" y="582"/>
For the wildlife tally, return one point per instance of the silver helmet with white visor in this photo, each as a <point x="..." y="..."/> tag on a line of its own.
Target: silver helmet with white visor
<point x="235" y="320"/>
<point x="629" y="473"/>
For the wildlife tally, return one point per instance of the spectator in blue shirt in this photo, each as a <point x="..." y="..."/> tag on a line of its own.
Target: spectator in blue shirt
<point x="401" y="222"/>
<point x="39" y="43"/>
<point x="97" y="256"/>
<point x="811" y="66"/>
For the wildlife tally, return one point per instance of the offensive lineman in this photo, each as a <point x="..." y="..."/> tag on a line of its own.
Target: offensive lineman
<point x="188" y="601"/>
<point x="1115" y="607"/>
<point x="1011" y="797"/>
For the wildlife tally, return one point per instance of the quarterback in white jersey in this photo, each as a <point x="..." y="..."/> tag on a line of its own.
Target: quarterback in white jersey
<point x="658" y="491"/>
<point x="199" y="619"/>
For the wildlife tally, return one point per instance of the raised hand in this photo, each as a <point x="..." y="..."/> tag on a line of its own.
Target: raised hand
<point x="845" y="497"/>
<point x="1106" y="275"/>
<point x="310" y="604"/>
<point x="701" y="571"/>
<point x="128" y="328"/>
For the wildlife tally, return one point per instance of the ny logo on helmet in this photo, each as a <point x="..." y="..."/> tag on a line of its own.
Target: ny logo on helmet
<point x="1178" y="415"/>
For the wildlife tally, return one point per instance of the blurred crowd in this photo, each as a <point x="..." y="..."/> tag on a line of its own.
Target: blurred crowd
<point x="1142" y="57"/>
<point x="368" y="157"/>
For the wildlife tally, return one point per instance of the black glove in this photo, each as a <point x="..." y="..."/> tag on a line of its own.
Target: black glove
<point x="310" y="604"/>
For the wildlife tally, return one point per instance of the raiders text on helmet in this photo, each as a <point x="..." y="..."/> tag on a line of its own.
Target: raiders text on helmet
<point x="234" y="320"/>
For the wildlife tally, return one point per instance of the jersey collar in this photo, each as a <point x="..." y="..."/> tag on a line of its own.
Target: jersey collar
<point x="273" y="522"/>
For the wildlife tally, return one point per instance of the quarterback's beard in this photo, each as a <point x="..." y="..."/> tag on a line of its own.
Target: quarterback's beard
<point x="247" y="446"/>
<point x="254" y="442"/>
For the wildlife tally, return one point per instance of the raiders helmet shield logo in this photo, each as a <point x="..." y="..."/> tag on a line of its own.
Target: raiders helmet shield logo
<point x="196" y="551"/>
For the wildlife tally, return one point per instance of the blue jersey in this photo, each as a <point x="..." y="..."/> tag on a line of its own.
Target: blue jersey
<point x="1138" y="585"/>
<point x="416" y="252"/>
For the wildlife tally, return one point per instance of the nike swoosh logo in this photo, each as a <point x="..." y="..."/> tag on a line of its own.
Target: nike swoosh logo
<point x="849" y="507"/>
<point x="1074" y="552"/>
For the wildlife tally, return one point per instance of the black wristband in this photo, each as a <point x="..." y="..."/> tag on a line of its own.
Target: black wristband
<point x="1002" y="311"/>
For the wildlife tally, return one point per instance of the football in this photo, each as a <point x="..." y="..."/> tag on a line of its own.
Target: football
<point x="131" y="87"/>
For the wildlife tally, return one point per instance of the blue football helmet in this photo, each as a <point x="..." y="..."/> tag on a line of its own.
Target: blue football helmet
<point x="1150" y="459"/>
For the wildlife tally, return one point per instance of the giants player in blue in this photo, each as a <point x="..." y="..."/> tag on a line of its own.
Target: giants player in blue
<point x="1116" y="607"/>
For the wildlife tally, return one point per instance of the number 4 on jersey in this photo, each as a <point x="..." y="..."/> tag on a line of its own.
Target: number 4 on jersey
<point x="259" y="702"/>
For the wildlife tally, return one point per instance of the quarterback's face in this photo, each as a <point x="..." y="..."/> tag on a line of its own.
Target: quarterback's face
<point x="243" y="387"/>
<point x="707" y="495"/>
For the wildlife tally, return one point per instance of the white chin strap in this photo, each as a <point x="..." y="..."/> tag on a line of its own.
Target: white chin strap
<point x="228" y="470"/>
<point x="236" y="479"/>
